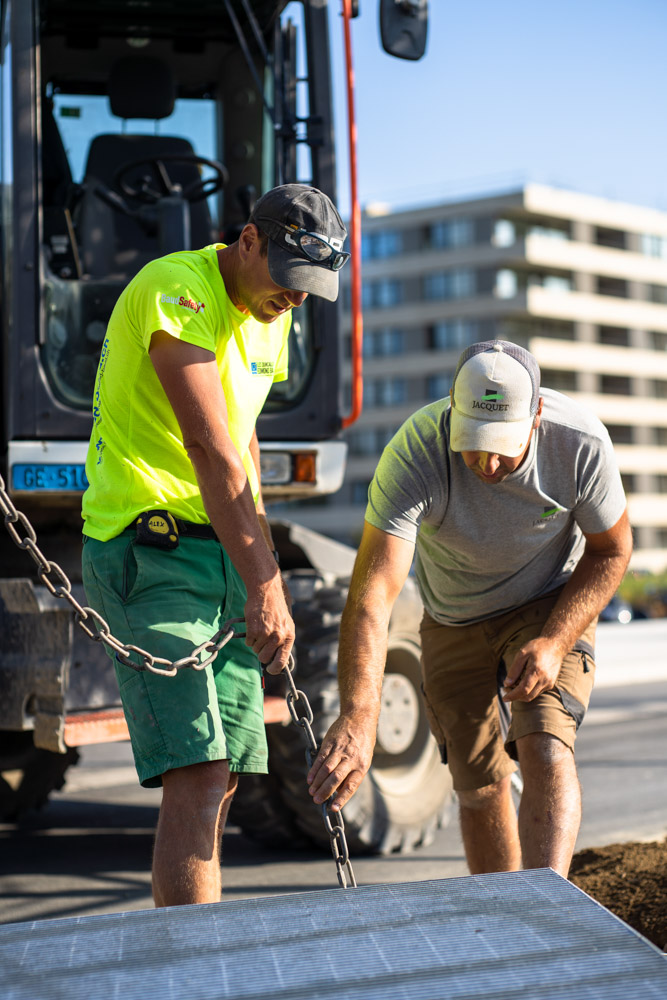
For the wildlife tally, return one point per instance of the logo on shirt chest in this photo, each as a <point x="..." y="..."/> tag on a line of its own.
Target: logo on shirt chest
<point x="262" y="368"/>
<point x="549" y="513"/>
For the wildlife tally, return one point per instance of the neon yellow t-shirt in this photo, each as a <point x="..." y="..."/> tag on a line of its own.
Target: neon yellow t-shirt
<point x="136" y="459"/>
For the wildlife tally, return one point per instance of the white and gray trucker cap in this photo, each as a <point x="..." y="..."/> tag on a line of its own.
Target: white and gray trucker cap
<point x="495" y="398"/>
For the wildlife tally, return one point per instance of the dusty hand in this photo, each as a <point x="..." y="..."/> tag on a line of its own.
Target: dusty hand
<point x="535" y="669"/>
<point x="286" y="594"/>
<point x="269" y="626"/>
<point x="342" y="761"/>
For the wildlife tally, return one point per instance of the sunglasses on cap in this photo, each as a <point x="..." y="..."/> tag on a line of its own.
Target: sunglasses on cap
<point x="313" y="246"/>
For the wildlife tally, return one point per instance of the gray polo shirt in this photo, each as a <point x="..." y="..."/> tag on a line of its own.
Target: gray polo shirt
<point x="485" y="548"/>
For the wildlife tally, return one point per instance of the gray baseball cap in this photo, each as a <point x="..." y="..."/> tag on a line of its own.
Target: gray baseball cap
<point x="495" y="398"/>
<point x="306" y="237"/>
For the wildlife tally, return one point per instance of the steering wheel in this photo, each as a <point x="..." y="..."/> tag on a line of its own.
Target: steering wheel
<point x="144" y="191"/>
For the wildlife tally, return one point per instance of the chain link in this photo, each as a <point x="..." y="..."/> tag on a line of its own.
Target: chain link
<point x="58" y="584"/>
<point x="333" y="820"/>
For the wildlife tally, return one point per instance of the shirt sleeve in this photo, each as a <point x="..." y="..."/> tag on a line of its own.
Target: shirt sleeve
<point x="601" y="496"/>
<point x="408" y="485"/>
<point x="172" y="298"/>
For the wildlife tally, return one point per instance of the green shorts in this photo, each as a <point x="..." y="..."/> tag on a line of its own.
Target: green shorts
<point x="167" y="602"/>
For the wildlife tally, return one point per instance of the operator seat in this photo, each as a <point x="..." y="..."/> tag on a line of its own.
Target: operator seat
<point x="56" y="173"/>
<point x="114" y="245"/>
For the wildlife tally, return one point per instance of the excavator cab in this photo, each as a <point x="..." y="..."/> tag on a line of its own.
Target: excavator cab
<point x="129" y="132"/>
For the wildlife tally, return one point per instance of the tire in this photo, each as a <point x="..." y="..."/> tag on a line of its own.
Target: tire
<point x="28" y="775"/>
<point x="258" y="808"/>
<point x="406" y="795"/>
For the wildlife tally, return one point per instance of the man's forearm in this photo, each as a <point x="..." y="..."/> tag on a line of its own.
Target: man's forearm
<point x="347" y="748"/>
<point x="380" y="569"/>
<point x="590" y="588"/>
<point x="265" y="529"/>
<point x="537" y="664"/>
<point x="191" y="381"/>
<point x="259" y="506"/>
<point x="229" y="503"/>
<point x="361" y="660"/>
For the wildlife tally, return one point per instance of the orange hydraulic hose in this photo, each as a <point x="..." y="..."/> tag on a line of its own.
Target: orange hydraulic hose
<point x="355" y="231"/>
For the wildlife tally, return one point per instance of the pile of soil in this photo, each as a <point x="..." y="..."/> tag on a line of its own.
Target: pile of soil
<point x="631" y="881"/>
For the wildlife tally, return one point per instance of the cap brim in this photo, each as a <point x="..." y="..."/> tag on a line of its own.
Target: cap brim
<point x="498" y="437"/>
<point x="301" y="275"/>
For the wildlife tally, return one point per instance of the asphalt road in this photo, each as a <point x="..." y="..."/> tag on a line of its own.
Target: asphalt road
<point x="89" y="850"/>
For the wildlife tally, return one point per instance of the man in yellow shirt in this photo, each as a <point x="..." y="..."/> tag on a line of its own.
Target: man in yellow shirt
<point x="176" y="539"/>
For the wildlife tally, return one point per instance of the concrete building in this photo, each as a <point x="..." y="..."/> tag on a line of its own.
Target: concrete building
<point x="580" y="281"/>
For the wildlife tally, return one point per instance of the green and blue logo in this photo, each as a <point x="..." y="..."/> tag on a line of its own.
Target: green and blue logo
<point x="262" y="368"/>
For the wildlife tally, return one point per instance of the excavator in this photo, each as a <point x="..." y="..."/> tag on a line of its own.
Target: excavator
<point x="129" y="130"/>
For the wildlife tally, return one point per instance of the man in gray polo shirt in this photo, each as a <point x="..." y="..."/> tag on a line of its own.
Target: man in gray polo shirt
<point x="513" y="499"/>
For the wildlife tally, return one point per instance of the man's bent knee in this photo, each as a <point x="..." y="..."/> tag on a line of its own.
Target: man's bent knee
<point x="207" y="781"/>
<point x="542" y="748"/>
<point x="481" y="798"/>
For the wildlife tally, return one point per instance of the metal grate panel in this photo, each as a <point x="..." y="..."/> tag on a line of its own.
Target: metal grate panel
<point x="528" y="935"/>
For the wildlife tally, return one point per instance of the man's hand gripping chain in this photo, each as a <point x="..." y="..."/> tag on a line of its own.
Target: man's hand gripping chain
<point x="333" y="821"/>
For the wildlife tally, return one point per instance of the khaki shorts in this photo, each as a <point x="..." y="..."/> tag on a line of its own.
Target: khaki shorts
<point x="462" y="666"/>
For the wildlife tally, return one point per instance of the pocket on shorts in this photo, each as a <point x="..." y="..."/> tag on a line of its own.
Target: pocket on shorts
<point x="130" y="570"/>
<point x="435" y="727"/>
<point x="575" y="681"/>
<point x="142" y="724"/>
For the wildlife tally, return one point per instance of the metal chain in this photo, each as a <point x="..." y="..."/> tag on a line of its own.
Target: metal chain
<point x="333" y="821"/>
<point x="58" y="584"/>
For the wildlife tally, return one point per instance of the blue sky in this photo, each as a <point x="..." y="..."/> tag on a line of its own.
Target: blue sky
<point x="570" y="94"/>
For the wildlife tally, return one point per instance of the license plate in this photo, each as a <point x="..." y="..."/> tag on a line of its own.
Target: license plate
<point x="49" y="477"/>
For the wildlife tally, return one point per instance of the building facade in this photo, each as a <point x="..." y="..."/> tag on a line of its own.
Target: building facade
<point x="580" y="281"/>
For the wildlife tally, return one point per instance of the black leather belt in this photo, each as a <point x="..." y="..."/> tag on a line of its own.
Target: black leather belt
<point x="193" y="530"/>
<point x="162" y="529"/>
